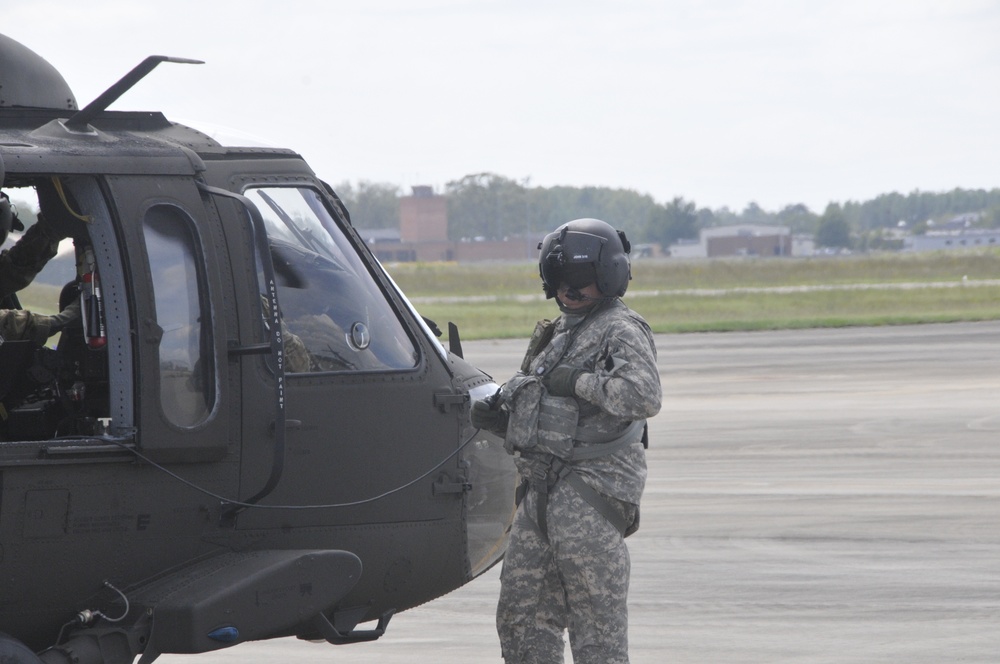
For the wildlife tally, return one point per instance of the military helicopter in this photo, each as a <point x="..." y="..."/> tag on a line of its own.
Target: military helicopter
<point x="252" y="434"/>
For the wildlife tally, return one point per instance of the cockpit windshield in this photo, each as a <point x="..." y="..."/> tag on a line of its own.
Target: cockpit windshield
<point x="334" y="315"/>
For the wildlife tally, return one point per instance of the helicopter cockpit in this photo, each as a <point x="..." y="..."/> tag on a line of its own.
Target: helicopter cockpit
<point x="329" y="301"/>
<point x="334" y="316"/>
<point x="60" y="388"/>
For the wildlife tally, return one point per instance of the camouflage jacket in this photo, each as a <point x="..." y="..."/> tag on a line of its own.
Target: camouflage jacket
<point x="615" y="347"/>
<point x="18" y="267"/>
<point x="20" y="263"/>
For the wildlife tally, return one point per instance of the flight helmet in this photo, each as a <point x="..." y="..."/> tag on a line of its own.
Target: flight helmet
<point x="582" y="252"/>
<point x="8" y="218"/>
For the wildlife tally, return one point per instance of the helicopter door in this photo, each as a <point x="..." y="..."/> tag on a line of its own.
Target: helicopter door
<point x="179" y="300"/>
<point x="360" y="407"/>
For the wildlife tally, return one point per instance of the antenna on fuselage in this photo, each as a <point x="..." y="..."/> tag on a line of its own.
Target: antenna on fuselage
<point x="82" y="118"/>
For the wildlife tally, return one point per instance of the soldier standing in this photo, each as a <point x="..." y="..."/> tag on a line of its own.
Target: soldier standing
<point x="574" y="418"/>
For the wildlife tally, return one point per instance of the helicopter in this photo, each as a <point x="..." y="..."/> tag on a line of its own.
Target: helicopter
<point x="251" y="433"/>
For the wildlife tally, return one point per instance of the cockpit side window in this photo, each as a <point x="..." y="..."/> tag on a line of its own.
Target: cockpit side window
<point x="334" y="316"/>
<point x="186" y="364"/>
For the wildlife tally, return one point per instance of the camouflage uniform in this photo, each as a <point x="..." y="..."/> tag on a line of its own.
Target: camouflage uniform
<point x="18" y="267"/>
<point x="296" y="355"/>
<point x="575" y="574"/>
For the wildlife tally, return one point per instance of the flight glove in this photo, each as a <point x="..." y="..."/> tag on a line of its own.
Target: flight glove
<point x="59" y="226"/>
<point x="484" y="416"/>
<point x="561" y="381"/>
<point x="65" y="318"/>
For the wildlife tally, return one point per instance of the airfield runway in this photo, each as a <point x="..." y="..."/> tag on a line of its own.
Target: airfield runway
<point x="813" y="496"/>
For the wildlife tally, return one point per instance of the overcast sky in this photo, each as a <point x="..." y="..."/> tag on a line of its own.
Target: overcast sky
<point x="721" y="102"/>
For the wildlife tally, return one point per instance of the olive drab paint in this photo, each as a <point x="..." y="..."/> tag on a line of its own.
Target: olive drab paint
<point x="266" y="440"/>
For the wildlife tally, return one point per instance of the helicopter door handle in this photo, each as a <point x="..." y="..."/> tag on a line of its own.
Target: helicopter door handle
<point x="443" y="486"/>
<point x="446" y="400"/>
<point x="234" y="348"/>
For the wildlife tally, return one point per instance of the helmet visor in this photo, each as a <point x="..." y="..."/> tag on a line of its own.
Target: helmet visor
<point x="572" y="260"/>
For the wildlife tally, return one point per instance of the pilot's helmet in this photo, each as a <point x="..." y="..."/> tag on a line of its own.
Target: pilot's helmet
<point x="8" y="218"/>
<point x="583" y="252"/>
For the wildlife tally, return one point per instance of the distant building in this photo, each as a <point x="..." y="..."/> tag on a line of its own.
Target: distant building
<point x="960" y="222"/>
<point x="687" y="249"/>
<point x="379" y="235"/>
<point x="739" y="240"/>
<point x="803" y="245"/>
<point x="423" y="236"/>
<point x="953" y="239"/>
<point x="423" y="217"/>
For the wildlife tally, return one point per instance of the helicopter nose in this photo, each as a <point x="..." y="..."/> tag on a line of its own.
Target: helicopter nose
<point x="490" y="498"/>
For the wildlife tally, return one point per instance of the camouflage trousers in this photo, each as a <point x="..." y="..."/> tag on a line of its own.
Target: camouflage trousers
<point x="576" y="579"/>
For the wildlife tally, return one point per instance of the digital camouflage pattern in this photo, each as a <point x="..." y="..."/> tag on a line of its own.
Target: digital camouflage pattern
<point x="575" y="575"/>
<point x="577" y="579"/>
<point x="538" y="421"/>
<point x="296" y="354"/>
<point x="615" y="347"/>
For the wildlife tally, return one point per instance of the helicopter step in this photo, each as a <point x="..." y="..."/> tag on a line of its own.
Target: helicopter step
<point x="217" y="603"/>
<point x="244" y="596"/>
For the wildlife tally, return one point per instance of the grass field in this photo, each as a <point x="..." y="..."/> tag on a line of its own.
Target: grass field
<point x="495" y="300"/>
<point x="504" y="300"/>
<point x="40" y="298"/>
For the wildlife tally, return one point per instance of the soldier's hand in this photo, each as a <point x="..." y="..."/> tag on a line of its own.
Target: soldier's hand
<point x="485" y="417"/>
<point x="59" y="226"/>
<point x="561" y="381"/>
<point x="65" y="318"/>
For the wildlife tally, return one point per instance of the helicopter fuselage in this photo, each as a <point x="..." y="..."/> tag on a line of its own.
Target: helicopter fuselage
<point x="253" y="434"/>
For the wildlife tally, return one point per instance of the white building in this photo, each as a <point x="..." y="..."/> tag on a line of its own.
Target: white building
<point x="956" y="239"/>
<point x="738" y="240"/>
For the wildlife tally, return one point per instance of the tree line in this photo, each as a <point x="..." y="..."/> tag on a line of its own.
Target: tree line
<point x="491" y="206"/>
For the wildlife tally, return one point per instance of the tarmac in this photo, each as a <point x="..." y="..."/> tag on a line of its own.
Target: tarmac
<point x="814" y="496"/>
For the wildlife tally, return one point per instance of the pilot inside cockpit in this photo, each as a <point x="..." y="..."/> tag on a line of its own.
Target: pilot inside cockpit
<point x="21" y="263"/>
<point x="335" y="316"/>
<point x="46" y="392"/>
